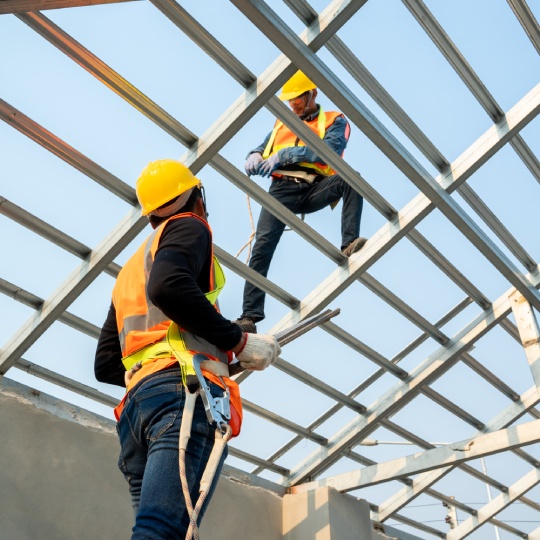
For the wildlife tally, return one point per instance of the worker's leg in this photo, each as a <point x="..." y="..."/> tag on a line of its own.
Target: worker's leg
<point x="330" y="190"/>
<point x="149" y="429"/>
<point x="267" y="236"/>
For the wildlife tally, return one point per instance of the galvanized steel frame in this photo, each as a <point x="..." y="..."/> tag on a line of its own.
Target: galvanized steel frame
<point x="300" y="52"/>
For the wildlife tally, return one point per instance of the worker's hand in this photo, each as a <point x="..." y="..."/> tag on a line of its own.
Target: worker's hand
<point x="268" y="166"/>
<point x="252" y="164"/>
<point x="258" y="352"/>
<point x="128" y="375"/>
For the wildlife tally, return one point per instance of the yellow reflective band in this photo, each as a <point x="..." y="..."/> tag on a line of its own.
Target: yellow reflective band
<point x="266" y="153"/>
<point x="178" y="346"/>
<point x="148" y="354"/>
<point x="219" y="280"/>
<point x="173" y="345"/>
<point x="321" y="130"/>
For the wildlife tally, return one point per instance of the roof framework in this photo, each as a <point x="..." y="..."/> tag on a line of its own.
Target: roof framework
<point x="332" y="448"/>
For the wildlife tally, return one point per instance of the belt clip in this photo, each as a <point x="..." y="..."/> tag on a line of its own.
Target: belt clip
<point x="218" y="409"/>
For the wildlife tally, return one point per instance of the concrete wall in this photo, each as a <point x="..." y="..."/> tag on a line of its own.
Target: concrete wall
<point x="59" y="481"/>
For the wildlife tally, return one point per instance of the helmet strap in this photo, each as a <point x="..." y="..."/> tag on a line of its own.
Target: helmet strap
<point x="203" y="193"/>
<point x="308" y="101"/>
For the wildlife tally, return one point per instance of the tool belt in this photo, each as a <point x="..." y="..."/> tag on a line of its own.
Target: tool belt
<point x="300" y="177"/>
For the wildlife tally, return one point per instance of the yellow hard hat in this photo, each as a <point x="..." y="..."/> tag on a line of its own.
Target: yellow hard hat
<point x="295" y="86"/>
<point x="161" y="181"/>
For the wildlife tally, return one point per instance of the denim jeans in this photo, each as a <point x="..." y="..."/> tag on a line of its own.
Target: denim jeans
<point x="148" y="429"/>
<point x="300" y="199"/>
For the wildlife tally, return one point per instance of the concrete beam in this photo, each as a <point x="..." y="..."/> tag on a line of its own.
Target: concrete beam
<point x="452" y="454"/>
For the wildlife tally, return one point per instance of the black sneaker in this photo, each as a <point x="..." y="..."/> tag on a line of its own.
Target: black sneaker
<point x="354" y="246"/>
<point x="247" y="324"/>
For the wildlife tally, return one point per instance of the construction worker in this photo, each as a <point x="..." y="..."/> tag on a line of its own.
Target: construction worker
<point x="301" y="181"/>
<point x="163" y="311"/>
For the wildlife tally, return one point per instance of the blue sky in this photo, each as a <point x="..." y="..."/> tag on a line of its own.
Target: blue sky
<point x="138" y="42"/>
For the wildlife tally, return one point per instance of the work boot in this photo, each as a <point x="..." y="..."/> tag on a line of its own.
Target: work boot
<point x="247" y="324"/>
<point x="354" y="246"/>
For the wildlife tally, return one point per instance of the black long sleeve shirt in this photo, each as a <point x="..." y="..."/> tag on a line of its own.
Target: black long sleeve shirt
<point x="177" y="285"/>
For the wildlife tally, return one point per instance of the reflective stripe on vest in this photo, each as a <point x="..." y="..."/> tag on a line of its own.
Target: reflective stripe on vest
<point x="283" y="137"/>
<point x="139" y="321"/>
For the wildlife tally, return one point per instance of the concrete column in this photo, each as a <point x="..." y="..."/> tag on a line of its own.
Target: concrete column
<point x="325" y="514"/>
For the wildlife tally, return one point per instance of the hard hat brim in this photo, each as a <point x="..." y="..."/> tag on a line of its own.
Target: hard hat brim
<point x="286" y="96"/>
<point x="149" y="208"/>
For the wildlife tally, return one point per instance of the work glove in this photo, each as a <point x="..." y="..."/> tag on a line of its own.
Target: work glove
<point x="252" y="163"/>
<point x="259" y="351"/>
<point x="268" y="166"/>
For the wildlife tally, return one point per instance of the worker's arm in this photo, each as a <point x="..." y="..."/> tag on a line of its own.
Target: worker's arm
<point x="108" y="367"/>
<point x="179" y="279"/>
<point x="336" y="137"/>
<point x="260" y="149"/>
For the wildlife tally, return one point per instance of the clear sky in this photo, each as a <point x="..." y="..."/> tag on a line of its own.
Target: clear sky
<point x="138" y="42"/>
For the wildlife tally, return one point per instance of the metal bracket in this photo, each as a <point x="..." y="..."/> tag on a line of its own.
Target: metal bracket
<point x="218" y="409"/>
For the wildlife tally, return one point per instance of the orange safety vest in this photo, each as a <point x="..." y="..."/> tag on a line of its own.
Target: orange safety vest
<point x="143" y="328"/>
<point x="283" y="137"/>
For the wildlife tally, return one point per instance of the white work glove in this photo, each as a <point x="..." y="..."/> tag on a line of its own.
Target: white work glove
<point x="252" y="164"/>
<point x="260" y="350"/>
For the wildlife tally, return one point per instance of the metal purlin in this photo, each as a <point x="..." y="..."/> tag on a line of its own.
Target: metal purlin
<point x="204" y="150"/>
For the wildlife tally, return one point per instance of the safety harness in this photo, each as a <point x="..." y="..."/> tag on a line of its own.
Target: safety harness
<point x="218" y="409"/>
<point x="282" y="137"/>
<point x="151" y="342"/>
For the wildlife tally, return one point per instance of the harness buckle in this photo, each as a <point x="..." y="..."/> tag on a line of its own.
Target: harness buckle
<point x="218" y="409"/>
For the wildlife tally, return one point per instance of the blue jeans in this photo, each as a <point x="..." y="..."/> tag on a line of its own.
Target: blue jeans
<point x="148" y="429"/>
<point x="301" y="199"/>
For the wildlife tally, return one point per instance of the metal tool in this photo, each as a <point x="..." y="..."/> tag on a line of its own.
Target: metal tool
<point x="218" y="408"/>
<point x="289" y="334"/>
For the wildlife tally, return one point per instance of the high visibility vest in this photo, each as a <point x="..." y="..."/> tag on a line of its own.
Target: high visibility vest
<point x="147" y="336"/>
<point x="283" y="137"/>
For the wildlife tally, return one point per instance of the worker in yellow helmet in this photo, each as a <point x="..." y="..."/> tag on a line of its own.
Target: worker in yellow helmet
<point x="301" y="181"/>
<point x="164" y="310"/>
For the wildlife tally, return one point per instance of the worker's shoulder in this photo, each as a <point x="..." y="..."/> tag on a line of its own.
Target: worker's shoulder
<point x="337" y="114"/>
<point x="187" y="221"/>
<point x="186" y="226"/>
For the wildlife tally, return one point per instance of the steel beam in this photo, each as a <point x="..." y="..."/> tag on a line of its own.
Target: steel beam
<point x="258" y="94"/>
<point x="402" y="120"/>
<point x="281" y="35"/>
<point x="75" y="51"/>
<point x="449" y="455"/>
<point x="21" y="6"/>
<point x="526" y="18"/>
<point x="72" y="287"/>
<point x="64" y="151"/>
<point x="449" y="50"/>
<point x="404" y="391"/>
<point x="529" y="333"/>
<point x="486" y="146"/>
<point x="274" y="418"/>
<point x="231" y="65"/>
<point x="103" y="73"/>
<point x="506" y="417"/>
<point x="50" y="233"/>
<point x="497" y="505"/>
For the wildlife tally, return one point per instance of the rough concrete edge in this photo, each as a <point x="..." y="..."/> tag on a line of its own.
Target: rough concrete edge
<point x="10" y="389"/>
<point x="251" y="480"/>
<point x="392" y="532"/>
<point x="55" y="406"/>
